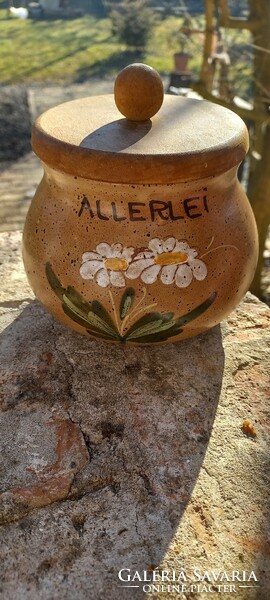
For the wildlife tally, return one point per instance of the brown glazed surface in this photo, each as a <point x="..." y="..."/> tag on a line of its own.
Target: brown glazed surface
<point x="139" y="263"/>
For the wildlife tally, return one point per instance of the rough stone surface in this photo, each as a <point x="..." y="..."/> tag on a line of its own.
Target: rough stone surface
<point x="132" y="458"/>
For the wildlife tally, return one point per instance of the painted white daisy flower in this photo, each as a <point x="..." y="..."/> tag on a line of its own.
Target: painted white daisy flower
<point x="173" y="261"/>
<point x="107" y="264"/>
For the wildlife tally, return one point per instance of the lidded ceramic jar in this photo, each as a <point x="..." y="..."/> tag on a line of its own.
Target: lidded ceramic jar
<point x="139" y="231"/>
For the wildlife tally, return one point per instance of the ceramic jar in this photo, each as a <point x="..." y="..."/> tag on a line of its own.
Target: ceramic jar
<point x="139" y="231"/>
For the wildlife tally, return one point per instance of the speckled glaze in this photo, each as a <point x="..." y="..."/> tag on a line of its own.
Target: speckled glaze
<point x="78" y="229"/>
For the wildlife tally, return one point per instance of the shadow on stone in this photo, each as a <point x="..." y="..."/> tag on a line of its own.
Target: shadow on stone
<point x="130" y="427"/>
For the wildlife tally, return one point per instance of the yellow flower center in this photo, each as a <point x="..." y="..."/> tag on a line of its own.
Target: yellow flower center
<point x="171" y="258"/>
<point x="116" y="264"/>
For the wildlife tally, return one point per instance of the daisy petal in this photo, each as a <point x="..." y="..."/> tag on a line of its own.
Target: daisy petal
<point x="169" y="244"/>
<point x="150" y="274"/>
<point x="168" y="273"/>
<point x="181" y="247"/>
<point x="116" y="250"/>
<point x="117" y="279"/>
<point x="183" y="276"/>
<point x="104" y="249"/>
<point x="127" y="253"/>
<point x="102" y="278"/>
<point x="136" y="267"/>
<point x="192" y="253"/>
<point x="184" y="247"/>
<point x="90" y="268"/>
<point x="156" y="245"/>
<point x="199" y="269"/>
<point x="90" y="256"/>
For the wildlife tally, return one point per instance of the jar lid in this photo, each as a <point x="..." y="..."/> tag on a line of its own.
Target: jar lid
<point x="185" y="140"/>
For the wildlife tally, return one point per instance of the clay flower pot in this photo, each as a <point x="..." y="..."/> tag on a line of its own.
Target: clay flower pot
<point x="139" y="231"/>
<point x="181" y="61"/>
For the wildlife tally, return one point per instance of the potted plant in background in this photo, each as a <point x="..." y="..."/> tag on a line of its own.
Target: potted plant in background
<point x="182" y="57"/>
<point x="182" y="38"/>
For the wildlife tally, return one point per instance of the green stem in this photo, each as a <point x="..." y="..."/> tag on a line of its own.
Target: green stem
<point x="126" y="319"/>
<point x="138" y="312"/>
<point x="115" y="312"/>
<point x="143" y="309"/>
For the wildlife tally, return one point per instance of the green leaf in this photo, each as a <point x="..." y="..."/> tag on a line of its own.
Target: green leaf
<point x="167" y="317"/>
<point x="101" y="312"/>
<point x="155" y="338"/>
<point x="150" y="328"/>
<point x="91" y="318"/>
<point x="196" y="312"/>
<point x="74" y="308"/>
<point x="150" y="318"/>
<point x="126" y="302"/>
<point x="54" y="281"/>
<point x="75" y="316"/>
<point x="77" y="300"/>
<point x="98" y="334"/>
<point x="96" y="321"/>
<point x="79" y="310"/>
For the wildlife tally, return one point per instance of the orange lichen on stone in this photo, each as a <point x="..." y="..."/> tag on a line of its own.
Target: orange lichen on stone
<point x="248" y="428"/>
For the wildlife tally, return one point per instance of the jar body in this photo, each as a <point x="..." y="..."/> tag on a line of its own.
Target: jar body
<point x="139" y="263"/>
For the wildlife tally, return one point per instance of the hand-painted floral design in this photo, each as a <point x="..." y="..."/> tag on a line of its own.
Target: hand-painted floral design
<point x="170" y="260"/>
<point x="130" y="321"/>
<point x="173" y="261"/>
<point x="107" y="264"/>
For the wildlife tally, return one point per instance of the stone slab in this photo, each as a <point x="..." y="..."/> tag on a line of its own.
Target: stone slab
<point x="130" y="458"/>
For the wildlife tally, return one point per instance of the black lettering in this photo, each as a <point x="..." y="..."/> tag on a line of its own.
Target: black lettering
<point x="172" y="216"/>
<point x="205" y="203"/>
<point x="114" y="212"/>
<point x="188" y="208"/>
<point x="158" y="209"/>
<point x="99" y="214"/>
<point x="133" y="211"/>
<point x="86" y="204"/>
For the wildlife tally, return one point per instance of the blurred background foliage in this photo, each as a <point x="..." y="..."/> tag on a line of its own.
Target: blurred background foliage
<point x="108" y="35"/>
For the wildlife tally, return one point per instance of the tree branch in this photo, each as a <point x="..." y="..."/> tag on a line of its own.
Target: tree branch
<point x="244" y="113"/>
<point x="233" y="22"/>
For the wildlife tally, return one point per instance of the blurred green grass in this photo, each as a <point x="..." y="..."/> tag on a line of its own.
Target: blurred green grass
<point x="72" y="50"/>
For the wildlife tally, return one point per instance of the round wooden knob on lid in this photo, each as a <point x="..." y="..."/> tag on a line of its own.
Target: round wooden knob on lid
<point x="138" y="92"/>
